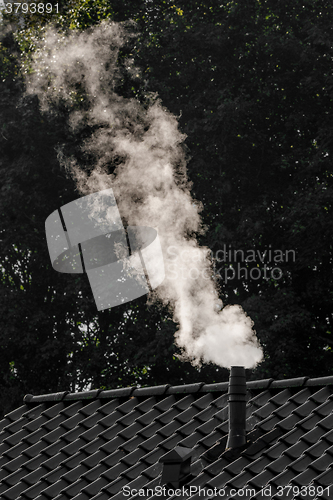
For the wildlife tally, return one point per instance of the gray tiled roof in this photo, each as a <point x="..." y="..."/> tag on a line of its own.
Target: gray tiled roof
<point x="91" y="445"/>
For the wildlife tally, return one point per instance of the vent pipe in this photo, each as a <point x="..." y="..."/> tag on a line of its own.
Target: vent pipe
<point x="237" y="408"/>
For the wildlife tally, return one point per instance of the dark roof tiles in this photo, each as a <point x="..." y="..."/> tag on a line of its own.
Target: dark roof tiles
<point x="328" y="437"/>
<point x="207" y="427"/>
<point x="327" y="422"/>
<point x="14" y="416"/>
<point x="293" y="382"/>
<point x="326" y="478"/>
<point x="158" y="390"/>
<point x="220" y="402"/>
<point x="186" y="389"/>
<point x="212" y="438"/>
<point x="313" y="436"/>
<point x="275" y="451"/>
<point x="90" y="445"/>
<point x="191" y="441"/>
<point x="321" y="395"/>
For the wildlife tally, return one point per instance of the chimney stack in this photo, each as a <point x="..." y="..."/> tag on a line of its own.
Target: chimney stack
<point x="237" y="408"/>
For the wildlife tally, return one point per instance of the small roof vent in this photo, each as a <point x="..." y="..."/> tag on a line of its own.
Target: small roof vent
<point x="176" y="466"/>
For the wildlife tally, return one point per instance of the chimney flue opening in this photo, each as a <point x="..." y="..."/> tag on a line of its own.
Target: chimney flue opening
<point x="237" y="408"/>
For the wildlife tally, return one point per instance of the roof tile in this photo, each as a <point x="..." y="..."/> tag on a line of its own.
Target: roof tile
<point x="326" y="478"/>
<point x="280" y="464"/>
<point x="153" y="457"/>
<point x="168" y="416"/>
<point x="284" y="478"/>
<point x="185" y="416"/>
<point x="260" y="480"/>
<point x="148" y="417"/>
<point x="269" y="423"/>
<point x="133" y="472"/>
<point x="305" y="477"/>
<point x="108" y="407"/>
<point x="134" y="456"/>
<point x="285" y="410"/>
<point x="169" y="429"/>
<point x="313" y="435"/>
<point x="151" y="443"/>
<point x="296" y="449"/>
<point x="109" y="460"/>
<point x="275" y="451"/>
<point x="132" y="444"/>
<point x="13" y="416"/>
<point x="328" y="437"/>
<point x="185" y="389"/>
<point x="327" y="423"/>
<point x="320" y="395"/>
<point x="221" y="401"/>
<point x="157" y="390"/>
<point x="238" y="482"/>
<point x="203" y="402"/>
<point x="212" y="438"/>
<point x="188" y="429"/>
<point x="127" y="406"/>
<point x="116" y="487"/>
<point x="294" y="382"/>
<point x="13" y="492"/>
<point x="122" y="392"/>
<point x="292" y="436"/>
<point x="301" y="463"/>
<point x="289" y="422"/>
<point x="150" y="430"/>
<point x="324" y="409"/>
<point x="190" y="441"/>
<point x="170" y="442"/>
<point x="305" y="409"/>
<point x="165" y="403"/>
<point x="281" y="397"/>
<point x="326" y="381"/>
<point x="301" y="396"/>
<point x="259" y="464"/>
<point x="323" y="462"/>
<point x="207" y="427"/>
<point x="129" y="431"/>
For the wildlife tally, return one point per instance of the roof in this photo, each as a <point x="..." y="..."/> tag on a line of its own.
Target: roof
<point x="108" y="444"/>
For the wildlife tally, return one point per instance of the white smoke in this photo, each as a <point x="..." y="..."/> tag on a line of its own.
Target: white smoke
<point x="149" y="183"/>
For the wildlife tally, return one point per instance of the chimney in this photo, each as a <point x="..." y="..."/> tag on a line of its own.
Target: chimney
<point x="237" y="408"/>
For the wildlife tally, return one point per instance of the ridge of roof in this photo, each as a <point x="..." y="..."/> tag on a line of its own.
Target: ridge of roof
<point x="167" y="389"/>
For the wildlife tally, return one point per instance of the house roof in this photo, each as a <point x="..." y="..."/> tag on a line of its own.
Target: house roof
<point x="108" y="444"/>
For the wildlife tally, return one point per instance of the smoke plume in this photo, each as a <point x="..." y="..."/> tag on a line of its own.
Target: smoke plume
<point x="149" y="182"/>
